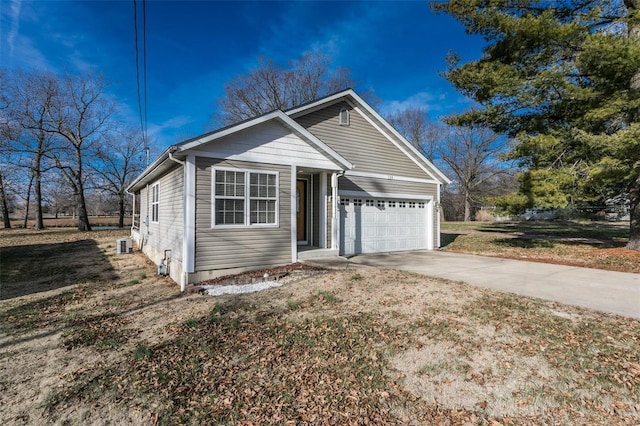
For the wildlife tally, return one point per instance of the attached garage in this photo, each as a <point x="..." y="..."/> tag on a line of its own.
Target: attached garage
<point x="385" y="224"/>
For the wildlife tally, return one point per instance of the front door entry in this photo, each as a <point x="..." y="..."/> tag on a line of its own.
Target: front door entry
<point x="301" y="211"/>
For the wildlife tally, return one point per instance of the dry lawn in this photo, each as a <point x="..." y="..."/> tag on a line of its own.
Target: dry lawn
<point x="88" y="337"/>
<point x="597" y="245"/>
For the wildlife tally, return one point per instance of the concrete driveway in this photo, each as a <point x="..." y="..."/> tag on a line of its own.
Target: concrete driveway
<point x="614" y="292"/>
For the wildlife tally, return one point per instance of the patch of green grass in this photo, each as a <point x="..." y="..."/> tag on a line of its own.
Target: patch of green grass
<point x="106" y="330"/>
<point x="36" y="314"/>
<point x="293" y="305"/>
<point x="192" y="323"/>
<point x="328" y="297"/>
<point x="141" y="352"/>
<point x="133" y="282"/>
<point x="356" y="277"/>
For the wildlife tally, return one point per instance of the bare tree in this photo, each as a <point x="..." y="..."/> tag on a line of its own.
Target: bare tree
<point x="29" y="96"/>
<point x="269" y="86"/>
<point x="472" y="155"/>
<point x="119" y="158"/>
<point x="78" y="116"/>
<point x="415" y="126"/>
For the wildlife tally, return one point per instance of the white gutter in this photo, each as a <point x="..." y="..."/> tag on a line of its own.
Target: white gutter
<point x="185" y="251"/>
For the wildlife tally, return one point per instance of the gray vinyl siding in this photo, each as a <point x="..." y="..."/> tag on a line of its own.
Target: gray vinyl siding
<point x="167" y="233"/>
<point x="240" y="247"/>
<point x="357" y="183"/>
<point x="360" y="143"/>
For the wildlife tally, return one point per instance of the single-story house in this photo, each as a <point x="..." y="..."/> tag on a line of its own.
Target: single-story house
<point x="328" y="178"/>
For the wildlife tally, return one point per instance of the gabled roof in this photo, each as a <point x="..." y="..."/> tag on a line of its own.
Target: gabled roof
<point x="352" y="97"/>
<point x="167" y="160"/>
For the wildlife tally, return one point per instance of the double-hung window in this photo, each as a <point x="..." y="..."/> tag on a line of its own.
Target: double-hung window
<point x="245" y="198"/>
<point x="155" y="202"/>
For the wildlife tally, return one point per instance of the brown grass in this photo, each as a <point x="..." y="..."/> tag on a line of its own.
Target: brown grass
<point x="361" y="346"/>
<point x="590" y="245"/>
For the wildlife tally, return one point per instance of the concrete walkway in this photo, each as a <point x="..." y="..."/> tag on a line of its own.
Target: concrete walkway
<point x="614" y="292"/>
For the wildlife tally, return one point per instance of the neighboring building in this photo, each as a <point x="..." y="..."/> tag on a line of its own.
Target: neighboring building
<point x="327" y="178"/>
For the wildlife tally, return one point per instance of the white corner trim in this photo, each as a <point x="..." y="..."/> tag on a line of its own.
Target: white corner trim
<point x="323" y="211"/>
<point x="294" y="224"/>
<point x="389" y="177"/>
<point x="189" y="243"/>
<point x="430" y="227"/>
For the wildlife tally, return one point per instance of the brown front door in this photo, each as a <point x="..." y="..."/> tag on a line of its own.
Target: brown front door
<point x="301" y="211"/>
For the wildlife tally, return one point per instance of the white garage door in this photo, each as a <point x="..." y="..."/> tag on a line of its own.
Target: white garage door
<point x="374" y="225"/>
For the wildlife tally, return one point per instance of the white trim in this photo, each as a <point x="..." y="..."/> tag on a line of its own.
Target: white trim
<point x="394" y="196"/>
<point x="438" y="207"/>
<point x="323" y="148"/>
<point x="335" y="214"/>
<point x="430" y="228"/>
<point x="389" y="177"/>
<point x="247" y="198"/>
<point x="307" y="211"/>
<point x="259" y="158"/>
<point x="294" y="226"/>
<point x="322" y="226"/>
<point x="306" y="109"/>
<point x="189" y="243"/>
<point x="155" y="190"/>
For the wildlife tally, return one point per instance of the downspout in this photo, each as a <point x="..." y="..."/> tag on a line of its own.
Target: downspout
<point x="183" y="276"/>
<point x="335" y="213"/>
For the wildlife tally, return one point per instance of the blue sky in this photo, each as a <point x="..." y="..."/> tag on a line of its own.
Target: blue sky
<point x="193" y="48"/>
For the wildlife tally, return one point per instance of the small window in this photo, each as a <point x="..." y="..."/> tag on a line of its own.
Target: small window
<point x="402" y="204"/>
<point x="155" y="203"/>
<point x="369" y="203"/>
<point x="392" y="203"/>
<point x="381" y="204"/>
<point x="421" y="205"/>
<point x="412" y="205"/>
<point x="344" y="117"/>
<point x="344" y="201"/>
<point x="357" y="202"/>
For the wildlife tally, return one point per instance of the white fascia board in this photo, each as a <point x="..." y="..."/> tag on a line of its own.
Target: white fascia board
<point x="149" y="169"/>
<point x="258" y="158"/>
<point x="317" y="143"/>
<point x="401" y="138"/>
<point x="306" y="109"/>
<point x="403" y="145"/>
<point x="321" y="102"/>
<point x="229" y="130"/>
<point x="305" y="135"/>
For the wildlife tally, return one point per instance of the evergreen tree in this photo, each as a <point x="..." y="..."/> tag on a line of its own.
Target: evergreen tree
<point x="562" y="78"/>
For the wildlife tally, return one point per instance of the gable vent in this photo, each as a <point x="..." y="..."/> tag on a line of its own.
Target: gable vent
<point x="344" y="117"/>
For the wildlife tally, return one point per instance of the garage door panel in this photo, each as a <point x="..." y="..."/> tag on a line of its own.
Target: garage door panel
<point x="377" y="225"/>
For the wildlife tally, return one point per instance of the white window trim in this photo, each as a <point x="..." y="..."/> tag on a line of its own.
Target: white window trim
<point x="247" y="199"/>
<point x="155" y="203"/>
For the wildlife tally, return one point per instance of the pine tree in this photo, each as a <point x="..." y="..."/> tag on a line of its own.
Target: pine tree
<point x="563" y="79"/>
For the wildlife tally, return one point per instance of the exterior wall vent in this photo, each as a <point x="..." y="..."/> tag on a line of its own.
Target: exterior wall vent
<point x="124" y="246"/>
<point x="344" y="117"/>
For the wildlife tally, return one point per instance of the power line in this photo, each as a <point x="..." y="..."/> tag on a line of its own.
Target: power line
<point x="142" y="111"/>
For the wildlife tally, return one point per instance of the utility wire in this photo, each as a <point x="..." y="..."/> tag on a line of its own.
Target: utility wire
<point x="142" y="112"/>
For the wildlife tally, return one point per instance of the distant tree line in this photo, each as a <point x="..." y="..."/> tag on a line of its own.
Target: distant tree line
<point x="61" y="144"/>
